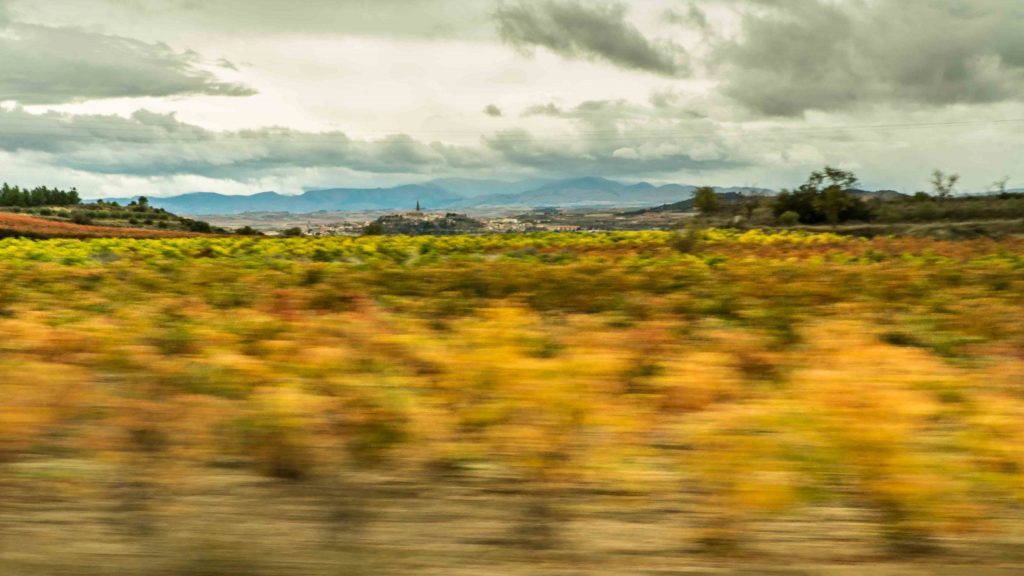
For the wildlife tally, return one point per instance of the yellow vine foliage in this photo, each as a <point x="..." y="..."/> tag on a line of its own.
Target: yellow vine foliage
<point x="763" y="374"/>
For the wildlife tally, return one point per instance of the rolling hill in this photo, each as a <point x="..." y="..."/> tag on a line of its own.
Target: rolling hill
<point x="23" y="226"/>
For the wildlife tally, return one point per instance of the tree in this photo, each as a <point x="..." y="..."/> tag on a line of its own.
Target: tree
<point x="7" y="195"/>
<point x="999" y="186"/>
<point x="196" y="225"/>
<point x="834" y="177"/>
<point x="823" y="198"/>
<point x="799" y="202"/>
<point x="832" y="201"/>
<point x="705" y="200"/>
<point x="38" y="196"/>
<point x="143" y="201"/>
<point x="750" y="203"/>
<point x="833" y="198"/>
<point x="943" y="184"/>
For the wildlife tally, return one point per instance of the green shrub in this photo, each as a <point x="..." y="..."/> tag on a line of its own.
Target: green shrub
<point x="248" y="231"/>
<point x="81" y="218"/>
<point x="687" y="241"/>
<point x="789" y="218"/>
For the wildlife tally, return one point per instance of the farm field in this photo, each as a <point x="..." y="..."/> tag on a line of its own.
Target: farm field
<point x="21" y="225"/>
<point x="627" y="402"/>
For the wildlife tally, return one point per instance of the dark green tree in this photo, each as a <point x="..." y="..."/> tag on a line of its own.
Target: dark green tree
<point x="706" y="200"/>
<point x="831" y="196"/>
<point x="11" y="196"/>
<point x="825" y="197"/>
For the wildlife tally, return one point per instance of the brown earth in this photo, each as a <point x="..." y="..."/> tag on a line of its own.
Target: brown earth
<point x="75" y="519"/>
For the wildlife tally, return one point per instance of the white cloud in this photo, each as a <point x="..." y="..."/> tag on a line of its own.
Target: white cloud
<point x="626" y="153"/>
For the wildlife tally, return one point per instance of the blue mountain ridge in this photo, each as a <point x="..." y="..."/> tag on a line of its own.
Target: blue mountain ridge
<point x="442" y="194"/>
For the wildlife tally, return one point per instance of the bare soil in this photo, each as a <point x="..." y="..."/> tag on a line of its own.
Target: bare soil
<point x="74" y="518"/>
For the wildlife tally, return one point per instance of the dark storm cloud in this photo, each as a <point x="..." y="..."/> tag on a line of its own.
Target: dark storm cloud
<point x="795" y="56"/>
<point x="44" y="65"/>
<point x="574" y="29"/>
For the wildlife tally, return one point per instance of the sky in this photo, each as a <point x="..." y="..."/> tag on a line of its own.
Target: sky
<point x="162" y="97"/>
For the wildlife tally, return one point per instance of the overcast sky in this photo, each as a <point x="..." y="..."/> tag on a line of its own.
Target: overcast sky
<point x="159" y="97"/>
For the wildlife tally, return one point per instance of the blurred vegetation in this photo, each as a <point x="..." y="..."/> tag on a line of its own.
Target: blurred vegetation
<point x="929" y="209"/>
<point x="749" y="378"/>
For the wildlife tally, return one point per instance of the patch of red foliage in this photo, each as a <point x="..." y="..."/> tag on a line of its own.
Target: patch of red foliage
<point x="32" y="227"/>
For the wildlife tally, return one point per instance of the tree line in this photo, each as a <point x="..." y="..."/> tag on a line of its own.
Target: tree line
<point x="825" y="197"/>
<point x="829" y="196"/>
<point x="38" y="196"/>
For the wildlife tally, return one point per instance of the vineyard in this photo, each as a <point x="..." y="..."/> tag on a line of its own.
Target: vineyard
<point x="21" y="225"/>
<point x="627" y="402"/>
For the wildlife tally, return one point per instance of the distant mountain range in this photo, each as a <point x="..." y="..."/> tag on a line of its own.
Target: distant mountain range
<point x="444" y="194"/>
<point x="340" y="199"/>
<point x="461" y="194"/>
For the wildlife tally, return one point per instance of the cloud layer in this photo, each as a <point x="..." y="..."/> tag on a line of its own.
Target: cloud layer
<point x="44" y="65"/>
<point x="790" y="57"/>
<point x="150" y="144"/>
<point x="574" y="29"/>
<point x="128" y="94"/>
<point x="785" y="57"/>
<point x="604" y="137"/>
<point x="262" y="18"/>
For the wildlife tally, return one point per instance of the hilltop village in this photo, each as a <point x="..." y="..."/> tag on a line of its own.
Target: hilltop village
<point x="419" y="222"/>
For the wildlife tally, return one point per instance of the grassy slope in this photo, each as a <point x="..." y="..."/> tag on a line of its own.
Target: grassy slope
<point x="33" y="227"/>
